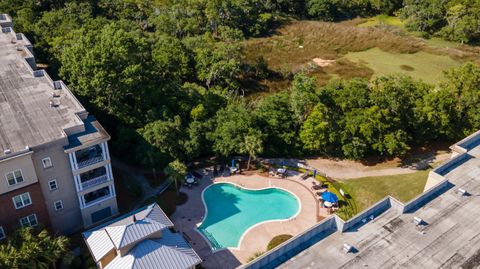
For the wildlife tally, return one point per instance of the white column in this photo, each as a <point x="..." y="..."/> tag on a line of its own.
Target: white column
<point x="106" y="150"/>
<point x="109" y="171"/>
<point x="73" y="161"/>
<point x="80" y="200"/>
<point x="112" y="190"/>
<point x="78" y="183"/>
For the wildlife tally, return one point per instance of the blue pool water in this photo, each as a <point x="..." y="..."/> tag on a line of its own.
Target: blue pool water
<point x="231" y="210"/>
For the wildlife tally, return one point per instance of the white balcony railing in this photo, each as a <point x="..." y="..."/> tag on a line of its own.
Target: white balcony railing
<point x="90" y="161"/>
<point x="94" y="181"/>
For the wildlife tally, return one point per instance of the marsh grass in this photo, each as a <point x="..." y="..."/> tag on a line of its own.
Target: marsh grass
<point x="293" y="47"/>
<point x="420" y="65"/>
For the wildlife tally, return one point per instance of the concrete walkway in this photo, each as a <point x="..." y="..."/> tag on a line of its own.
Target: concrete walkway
<point x="190" y="214"/>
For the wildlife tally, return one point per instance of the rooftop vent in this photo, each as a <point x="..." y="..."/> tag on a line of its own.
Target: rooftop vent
<point x="54" y="102"/>
<point x="347" y="248"/>
<point x="462" y="192"/>
<point x="13" y="41"/>
<point x="418" y="221"/>
<point x="7" y="151"/>
<point x="56" y="93"/>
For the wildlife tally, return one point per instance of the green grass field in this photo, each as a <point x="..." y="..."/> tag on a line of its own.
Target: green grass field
<point x="369" y="190"/>
<point x="421" y="65"/>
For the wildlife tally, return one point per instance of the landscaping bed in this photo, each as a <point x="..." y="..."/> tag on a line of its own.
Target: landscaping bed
<point x="277" y="240"/>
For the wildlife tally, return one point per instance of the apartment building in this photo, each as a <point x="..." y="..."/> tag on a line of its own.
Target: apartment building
<point x="54" y="159"/>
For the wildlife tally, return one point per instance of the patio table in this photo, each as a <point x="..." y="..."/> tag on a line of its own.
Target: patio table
<point x="190" y="180"/>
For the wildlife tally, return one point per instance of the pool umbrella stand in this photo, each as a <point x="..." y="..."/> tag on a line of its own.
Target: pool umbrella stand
<point x="329" y="197"/>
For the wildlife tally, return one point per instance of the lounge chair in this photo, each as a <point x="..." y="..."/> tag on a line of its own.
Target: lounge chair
<point x="319" y="186"/>
<point x="319" y="193"/>
<point x="305" y="175"/>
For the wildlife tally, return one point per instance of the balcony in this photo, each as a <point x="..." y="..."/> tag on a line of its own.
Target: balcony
<point x="94" y="182"/>
<point x="94" y="177"/>
<point x="89" y="156"/>
<point x="96" y="196"/>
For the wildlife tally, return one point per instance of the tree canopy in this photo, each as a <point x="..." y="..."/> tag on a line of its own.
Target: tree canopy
<point x="29" y="248"/>
<point x="166" y="78"/>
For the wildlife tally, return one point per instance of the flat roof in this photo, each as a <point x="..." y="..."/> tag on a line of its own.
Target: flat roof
<point x="32" y="111"/>
<point x="93" y="132"/>
<point x="450" y="238"/>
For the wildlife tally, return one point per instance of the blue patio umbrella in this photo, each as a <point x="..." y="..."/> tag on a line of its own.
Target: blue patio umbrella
<point x="329" y="197"/>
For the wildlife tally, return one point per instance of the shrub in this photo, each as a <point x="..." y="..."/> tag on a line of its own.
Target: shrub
<point x="277" y="240"/>
<point x="255" y="255"/>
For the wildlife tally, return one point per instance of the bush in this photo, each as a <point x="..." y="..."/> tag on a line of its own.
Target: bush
<point x="277" y="240"/>
<point x="255" y="255"/>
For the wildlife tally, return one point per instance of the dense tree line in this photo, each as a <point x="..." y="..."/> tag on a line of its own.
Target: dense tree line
<point x="456" y="20"/>
<point x="164" y="77"/>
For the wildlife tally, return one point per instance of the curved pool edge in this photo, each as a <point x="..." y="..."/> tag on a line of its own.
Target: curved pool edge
<point x="253" y="226"/>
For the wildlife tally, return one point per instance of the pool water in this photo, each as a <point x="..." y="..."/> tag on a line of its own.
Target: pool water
<point x="232" y="210"/>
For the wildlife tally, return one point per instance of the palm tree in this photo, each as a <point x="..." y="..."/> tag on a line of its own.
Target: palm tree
<point x="252" y="146"/>
<point x="29" y="249"/>
<point x="176" y="170"/>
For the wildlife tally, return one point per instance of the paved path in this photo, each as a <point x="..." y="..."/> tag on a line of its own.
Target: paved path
<point x="345" y="169"/>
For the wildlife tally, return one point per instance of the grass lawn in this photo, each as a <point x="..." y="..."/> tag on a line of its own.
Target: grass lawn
<point x="369" y="190"/>
<point x="420" y="65"/>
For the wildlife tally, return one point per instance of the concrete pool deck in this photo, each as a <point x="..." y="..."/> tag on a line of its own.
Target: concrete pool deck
<point x="188" y="215"/>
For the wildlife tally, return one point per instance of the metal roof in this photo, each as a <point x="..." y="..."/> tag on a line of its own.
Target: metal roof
<point x="170" y="251"/>
<point x="126" y="234"/>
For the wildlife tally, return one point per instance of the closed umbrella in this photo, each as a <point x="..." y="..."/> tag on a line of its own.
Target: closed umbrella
<point x="329" y="197"/>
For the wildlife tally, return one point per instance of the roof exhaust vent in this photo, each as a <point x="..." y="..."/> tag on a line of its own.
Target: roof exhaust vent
<point x="7" y="151"/>
<point x="462" y="192"/>
<point x="347" y="248"/>
<point x="418" y="221"/>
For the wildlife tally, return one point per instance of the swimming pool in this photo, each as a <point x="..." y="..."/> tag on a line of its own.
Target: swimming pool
<point x="232" y="210"/>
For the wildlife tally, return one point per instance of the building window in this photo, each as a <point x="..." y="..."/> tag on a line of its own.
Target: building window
<point x="14" y="177"/>
<point x="58" y="205"/>
<point x="29" y="221"/>
<point x="47" y="162"/>
<point x="2" y="233"/>
<point x="22" y="200"/>
<point x="52" y="184"/>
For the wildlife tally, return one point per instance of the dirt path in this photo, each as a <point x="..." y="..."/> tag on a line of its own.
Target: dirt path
<point x="345" y="169"/>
